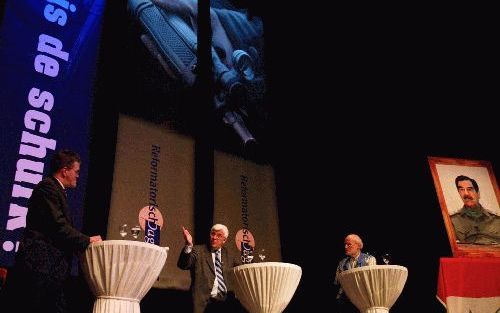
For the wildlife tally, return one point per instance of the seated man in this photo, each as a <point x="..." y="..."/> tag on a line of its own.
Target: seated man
<point x="355" y="258"/>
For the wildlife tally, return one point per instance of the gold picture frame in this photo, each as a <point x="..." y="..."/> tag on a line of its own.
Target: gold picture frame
<point x="444" y="171"/>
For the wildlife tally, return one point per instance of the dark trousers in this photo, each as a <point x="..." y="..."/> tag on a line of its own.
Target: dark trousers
<point x="344" y="305"/>
<point x="37" y="281"/>
<point x="229" y="305"/>
<point x="35" y="293"/>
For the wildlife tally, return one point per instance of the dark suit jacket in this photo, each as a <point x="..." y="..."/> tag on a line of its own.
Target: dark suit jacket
<point x="201" y="265"/>
<point x="49" y="238"/>
<point x="43" y="261"/>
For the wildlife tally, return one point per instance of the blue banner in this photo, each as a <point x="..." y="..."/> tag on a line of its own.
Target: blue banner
<point x="48" y="52"/>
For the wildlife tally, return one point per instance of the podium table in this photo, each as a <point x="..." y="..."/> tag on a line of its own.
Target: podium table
<point x="469" y="284"/>
<point x="121" y="272"/>
<point x="266" y="287"/>
<point x="375" y="288"/>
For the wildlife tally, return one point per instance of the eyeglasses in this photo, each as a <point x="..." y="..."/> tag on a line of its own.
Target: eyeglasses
<point x="216" y="235"/>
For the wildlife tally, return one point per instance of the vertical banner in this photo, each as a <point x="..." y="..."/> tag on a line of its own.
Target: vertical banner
<point x="153" y="187"/>
<point x="245" y="201"/>
<point x="47" y="59"/>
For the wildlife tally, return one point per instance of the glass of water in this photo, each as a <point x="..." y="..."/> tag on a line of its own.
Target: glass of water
<point x="135" y="231"/>
<point x="386" y="258"/>
<point x="123" y="230"/>
<point x="262" y="254"/>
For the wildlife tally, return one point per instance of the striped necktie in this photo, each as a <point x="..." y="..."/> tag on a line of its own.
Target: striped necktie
<point x="218" y="274"/>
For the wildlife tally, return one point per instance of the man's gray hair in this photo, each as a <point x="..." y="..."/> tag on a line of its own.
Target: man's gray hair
<point x="356" y="239"/>
<point x="221" y="227"/>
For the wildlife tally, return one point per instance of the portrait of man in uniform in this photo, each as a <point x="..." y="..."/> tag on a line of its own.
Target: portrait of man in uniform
<point x="474" y="223"/>
<point x="469" y="199"/>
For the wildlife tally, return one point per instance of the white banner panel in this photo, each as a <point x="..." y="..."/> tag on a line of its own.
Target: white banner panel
<point x="245" y="201"/>
<point x="153" y="187"/>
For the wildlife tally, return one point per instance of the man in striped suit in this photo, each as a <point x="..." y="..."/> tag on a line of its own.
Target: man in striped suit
<point x="210" y="267"/>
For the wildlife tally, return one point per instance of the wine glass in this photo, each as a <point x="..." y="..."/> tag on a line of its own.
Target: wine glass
<point x="262" y="254"/>
<point x="123" y="230"/>
<point x="386" y="258"/>
<point x="135" y="231"/>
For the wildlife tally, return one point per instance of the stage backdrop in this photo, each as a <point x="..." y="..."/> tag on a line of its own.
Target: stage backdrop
<point x="48" y="54"/>
<point x="153" y="186"/>
<point x="245" y="200"/>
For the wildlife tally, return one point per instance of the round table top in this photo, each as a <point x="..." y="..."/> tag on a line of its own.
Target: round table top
<point x="128" y="243"/>
<point x="267" y="264"/>
<point x="374" y="267"/>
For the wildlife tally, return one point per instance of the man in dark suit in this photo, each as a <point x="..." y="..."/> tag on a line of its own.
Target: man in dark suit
<point x="43" y="261"/>
<point x="210" y="285"/>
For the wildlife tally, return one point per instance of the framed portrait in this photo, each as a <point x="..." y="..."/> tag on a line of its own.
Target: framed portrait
<point x="468" y="195"/>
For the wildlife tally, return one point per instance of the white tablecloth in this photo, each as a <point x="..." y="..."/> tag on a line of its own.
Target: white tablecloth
<point x="374" y="289"/>
<point x="266" y="287"/>
<point x="121" y="272"/>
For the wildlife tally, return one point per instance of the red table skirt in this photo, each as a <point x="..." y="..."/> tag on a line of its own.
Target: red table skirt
<point x="469" y="284"/>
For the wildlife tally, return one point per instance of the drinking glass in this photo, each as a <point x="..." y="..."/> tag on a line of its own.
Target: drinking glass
<point x="123" y="230"/>
<point x="386" y="258"/>
<point x="135" y="231"/>
<point x="262" y="254"/>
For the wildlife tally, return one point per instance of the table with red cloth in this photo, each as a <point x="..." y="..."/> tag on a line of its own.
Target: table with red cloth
<point x="470" y="285"/>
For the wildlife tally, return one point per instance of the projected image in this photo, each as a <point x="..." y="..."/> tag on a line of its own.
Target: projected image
<point x="169" y="31"/>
